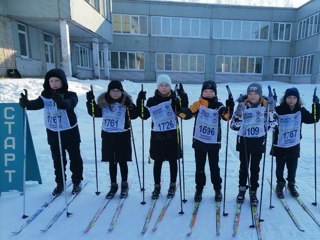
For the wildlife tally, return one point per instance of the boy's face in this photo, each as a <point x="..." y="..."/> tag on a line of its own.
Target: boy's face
<point x="55" y="83"/>
<point x="253" y="97"/>
<point x="208" y="93"/>
<point x="115" y="93"/>
<point x="164" y="88"/>
<point x="291" y="101"/>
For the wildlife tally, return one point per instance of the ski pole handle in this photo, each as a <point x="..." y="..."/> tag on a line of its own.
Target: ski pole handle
<point x="142" y="103"/>
<point x="275" y="97"/>
<point x="92" y="102"/>
<point x="229" y="92"/>
<point x="314" y="106"/>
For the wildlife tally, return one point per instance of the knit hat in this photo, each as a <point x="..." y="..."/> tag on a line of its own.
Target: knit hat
<point x="56" y="72"/>
<point x="209" y="85"/>
<point x="292" y="92"/>
<point x="255" y="87"/>
<point x="163" y="78"/>
<point x="115" y="84"/>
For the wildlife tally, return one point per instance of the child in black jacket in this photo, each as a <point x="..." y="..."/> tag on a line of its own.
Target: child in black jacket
<point x="162" y="108"/>
<point x="59" y="104"/>
<point x="117" y="110"/>
<point x="286" y="142"/>
<point x="207" y="136"/>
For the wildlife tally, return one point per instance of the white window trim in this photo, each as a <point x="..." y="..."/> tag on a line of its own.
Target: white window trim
<point x="299" y="62"/>
<point x="284" y="34"/>
<point x="139" y="30"/>
<point x="286" y="59"/>
<point x="89" y="56"/>
<point x="311" y="29"/>
<point x="126" y="69"/>
<point x="27" y="42"/>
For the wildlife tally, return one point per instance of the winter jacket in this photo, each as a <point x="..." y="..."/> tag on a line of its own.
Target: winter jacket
<point x="70" y="100"/>
<point x="193" y="111"/>
<point x="116" y="146"/>
<point x="252" y="145"/>
<point x="306" y="117"/>
<point x="163" y="145"/>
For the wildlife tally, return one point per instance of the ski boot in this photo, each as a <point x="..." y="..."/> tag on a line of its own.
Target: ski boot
<point x="76" y="188"/>
<point x="253" y="198"/>
<point x="198" y="194"/>
<point x="241" y="194"/>
<point x="292" y="189"/>
<point x="218" y="196"/>
<point x="156" y="192"/>
<point x="58" y="189"/>
<point x="124" y="190"/>
<point x="113" y="190"/>
<point x="171" y="190"/>
<point x="279" y="189"/>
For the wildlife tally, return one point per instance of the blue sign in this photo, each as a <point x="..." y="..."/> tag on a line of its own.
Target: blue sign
<point x="12" y="149"/>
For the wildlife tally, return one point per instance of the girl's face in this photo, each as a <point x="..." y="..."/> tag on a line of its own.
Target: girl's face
<point x="291" y="101"/>
<point x="253" y="97"/>
<point x="164" y="88"/>
<point x="115" y="93"/>
<point x="208" y="93"/>
<point x="55" y="83"/>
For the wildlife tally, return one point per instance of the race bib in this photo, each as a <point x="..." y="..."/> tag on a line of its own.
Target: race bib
<point x="163" y="117"/>
<point x="253" y="125"/>
<point x="206" y="127"/>
<point x="289" y="130"/>
<point x="55" y="119"/>
<point x="113" y="118"/>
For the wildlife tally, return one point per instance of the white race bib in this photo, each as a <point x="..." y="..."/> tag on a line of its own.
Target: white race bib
<point x="163" y="117"/>
<point x="206" y="128"/>
<point x="253" y="125"/>
<point x="289" y="130"/>
<point x="55" y="119"/>
<point x="113" y="118"/>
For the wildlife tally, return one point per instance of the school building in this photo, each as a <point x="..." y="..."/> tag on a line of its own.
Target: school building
<point x="140" y="39"/>
<point x="193" y="42"/>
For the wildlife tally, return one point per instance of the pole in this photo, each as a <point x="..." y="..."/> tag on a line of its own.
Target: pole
<point x="94" y="141"/>
<point x="25" y="119"/>
<point x="142" y="143"/>
<point x="315" y="148"/>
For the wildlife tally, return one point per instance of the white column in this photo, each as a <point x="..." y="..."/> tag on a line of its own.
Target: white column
<point x="106" y="60"/>
<point x="65" y="48"/>
<point x="95" y="56"/>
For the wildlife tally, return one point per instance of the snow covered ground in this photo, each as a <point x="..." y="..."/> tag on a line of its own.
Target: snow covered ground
<point x="276" y="225"/>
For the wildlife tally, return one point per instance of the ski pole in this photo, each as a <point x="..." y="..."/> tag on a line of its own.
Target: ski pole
<point x="25" y="119"/>
<point x="315" y="148"/>
<point x="61" y="161"/>
<point x="272" y="152"/>
<point x="134" y="147"/>
<point x="142" y="143"/>
<point x="226" y="157"/>
<point x="179" y="154"/>
<point x="94" y="141"/>
<point x="265" y="153"/>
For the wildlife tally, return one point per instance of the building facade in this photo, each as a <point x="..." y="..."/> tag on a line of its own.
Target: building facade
<point x="36" y="36"/>
<point x="195" y="42"/>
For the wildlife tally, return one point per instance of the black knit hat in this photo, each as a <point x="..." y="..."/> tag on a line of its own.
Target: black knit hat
<point x="292" y="92"/>
<point x="209" y="85"/>
<point x="56" y="72"/>
<point x="115" y="84"/>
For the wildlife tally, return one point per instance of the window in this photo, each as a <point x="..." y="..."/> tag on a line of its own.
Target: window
<point x="127" y="60"/>
<point x="23" y="40"/>
<point x="83" y="56"/>
<point x="175" y="62"/>
<point x="127" y="24"/>
<point x="303" y="65"/>
<point x="239" y="64"/>
<point x="180" y="27"/>
<point x="236" y="29"/>
<point x="282" y="66"/>
<point x="309" y="26"/>
<point x="281" y="31"/>
<point x="101" y="59"/>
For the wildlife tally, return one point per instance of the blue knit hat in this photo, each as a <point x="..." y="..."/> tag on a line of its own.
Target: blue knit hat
<point x="292" y="92"/>
<point x="163" y="78"/>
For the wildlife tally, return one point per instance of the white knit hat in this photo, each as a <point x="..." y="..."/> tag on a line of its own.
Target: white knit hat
<point x="163" y="78"/>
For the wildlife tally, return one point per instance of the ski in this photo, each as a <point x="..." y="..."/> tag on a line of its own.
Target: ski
<point x="97" y="215"/>
<point x="149" y="216"/>
<point x="193" y="218"/>
<point x="218" y="218"/>
<point x="307" y="210"/>
<point x="37" y="213"/>
<point x="257" y="222"/>
<point x="116" y="215"/>
<point x="162" y="213"/>
<point x="236" y="220"/>
<point x="287" y="208"/>
<point x="60" y="212"/>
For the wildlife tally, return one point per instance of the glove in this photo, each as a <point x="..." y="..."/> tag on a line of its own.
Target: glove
<point x="180" y="90"/>
<point x="230" y="104"/>
<point x="90" y="96"/>
<point x="128" y="102"/>
<point x="23" y="101"/>
<point x="57" y="98"/>
<point x="240" y="109"/>
<point x="142" y="95"/>
<point x="315" y="99"/>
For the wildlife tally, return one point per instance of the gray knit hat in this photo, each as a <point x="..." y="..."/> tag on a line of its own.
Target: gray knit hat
<point x="255" y="87"/>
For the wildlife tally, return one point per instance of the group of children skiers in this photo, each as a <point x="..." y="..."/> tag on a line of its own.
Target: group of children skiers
<point x="253" y="117"/>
